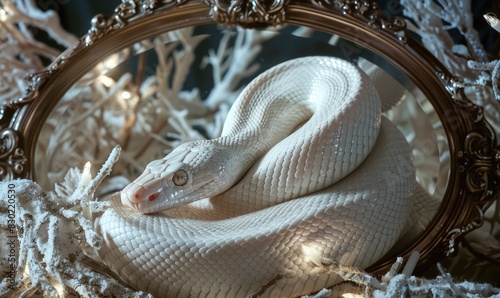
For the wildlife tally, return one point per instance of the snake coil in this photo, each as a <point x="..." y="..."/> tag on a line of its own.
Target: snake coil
<point x="306" y="168"/>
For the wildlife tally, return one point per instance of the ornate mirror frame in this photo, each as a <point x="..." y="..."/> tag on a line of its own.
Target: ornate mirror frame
<point x="473" y="183"/>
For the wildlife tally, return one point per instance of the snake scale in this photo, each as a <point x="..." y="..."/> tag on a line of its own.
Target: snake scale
<point x="306" y="168"/>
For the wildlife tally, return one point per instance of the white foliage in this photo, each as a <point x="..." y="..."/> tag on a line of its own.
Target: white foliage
<point x="494" y="68"/>
<point x="480" y="79"/>
<point x="393" y="284"/>
<point x="52" y="228"/>
<point x="147" y="115"/>
<point x="53" y="233"/>
<point x="20" y="51"/>
<point x="431" y="20"/>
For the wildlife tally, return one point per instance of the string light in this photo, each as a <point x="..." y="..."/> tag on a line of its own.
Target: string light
<point x="111" y="62"/>
<point x="106" y="81"/>
<point x="126" y="95"/>
<point x="3" y="14"/>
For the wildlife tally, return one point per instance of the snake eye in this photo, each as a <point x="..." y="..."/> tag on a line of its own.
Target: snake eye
<point x="180" y="178"/>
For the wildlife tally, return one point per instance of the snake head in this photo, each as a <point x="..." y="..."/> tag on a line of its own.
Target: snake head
<point x="143" y="193"/>
<point x="185" y="175"/>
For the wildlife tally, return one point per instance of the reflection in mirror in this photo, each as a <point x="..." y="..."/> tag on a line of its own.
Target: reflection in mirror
<point x="178" y="86"/>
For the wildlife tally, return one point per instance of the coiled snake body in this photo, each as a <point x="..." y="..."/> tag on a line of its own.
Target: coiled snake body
<point x="306" y="169"/>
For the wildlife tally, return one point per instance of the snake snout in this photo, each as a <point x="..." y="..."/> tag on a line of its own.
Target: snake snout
<point x="128" y="203"/>
<point x="137" y="197"/>
<point x="128" y="200"/>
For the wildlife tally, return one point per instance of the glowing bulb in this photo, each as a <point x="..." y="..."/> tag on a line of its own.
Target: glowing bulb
<point x="106" y="81"/>
<point x="111" y="62"/>
<point x="126" y="95"/>
<point x="126" y="99"/>
<point x="3" y="14"/>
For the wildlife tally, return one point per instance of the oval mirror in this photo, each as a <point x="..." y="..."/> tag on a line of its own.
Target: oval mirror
<point x="156" y="75"/>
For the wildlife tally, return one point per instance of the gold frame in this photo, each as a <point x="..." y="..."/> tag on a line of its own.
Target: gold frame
<point x="475" y="154"/>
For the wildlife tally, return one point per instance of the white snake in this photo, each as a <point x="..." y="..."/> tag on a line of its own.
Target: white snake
<point x="270" y="197"/>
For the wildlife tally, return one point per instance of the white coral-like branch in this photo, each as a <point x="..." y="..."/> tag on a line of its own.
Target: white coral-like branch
<point x="20" y="51"/>
<point x="432" y="20"/>
<point x="154" y="113"/>
<point x="394" y="284"/>
<point x="494" y="68"/>
<point x="53" y="234"/>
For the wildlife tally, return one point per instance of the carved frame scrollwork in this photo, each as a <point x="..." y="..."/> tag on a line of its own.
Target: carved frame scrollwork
<point x="479" y="165"/>
<point x="367" y="11"/>
<point x="251" y="13"/>
<point x="12" y="158"/>
<point x="475" y="156"/>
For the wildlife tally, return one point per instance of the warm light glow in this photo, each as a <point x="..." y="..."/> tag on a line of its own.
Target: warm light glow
<point x="3" y="14"/>
<point x="87" y="167"/>
<point x="26" y="272"/>
<point x="60" y="289"/>
<point x="110" y="62"/>
<point x="351" y="295"/>
<point x="312" y="254"/>
<point x="106" y="81"/>
<point x="126" y="95"/>
<point x="126" y="99"/>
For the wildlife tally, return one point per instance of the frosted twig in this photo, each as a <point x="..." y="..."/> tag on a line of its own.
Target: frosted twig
<point x="153" y="135"/>
<point x="170" y="82"/>
<point x="436" y="39"/>
<point x="393" y="284"/>
<point x="448" y="279"/>
<point x="393" y="271"/>
<point x="105" y="171"/>
<point x="494" y="68"/>
<point x="457" y="14"/>
<point x="431" y="20"/>
<point x="53" y="231"/>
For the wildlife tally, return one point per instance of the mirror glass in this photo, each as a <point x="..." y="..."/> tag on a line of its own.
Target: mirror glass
<point x="178" y="86"/>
